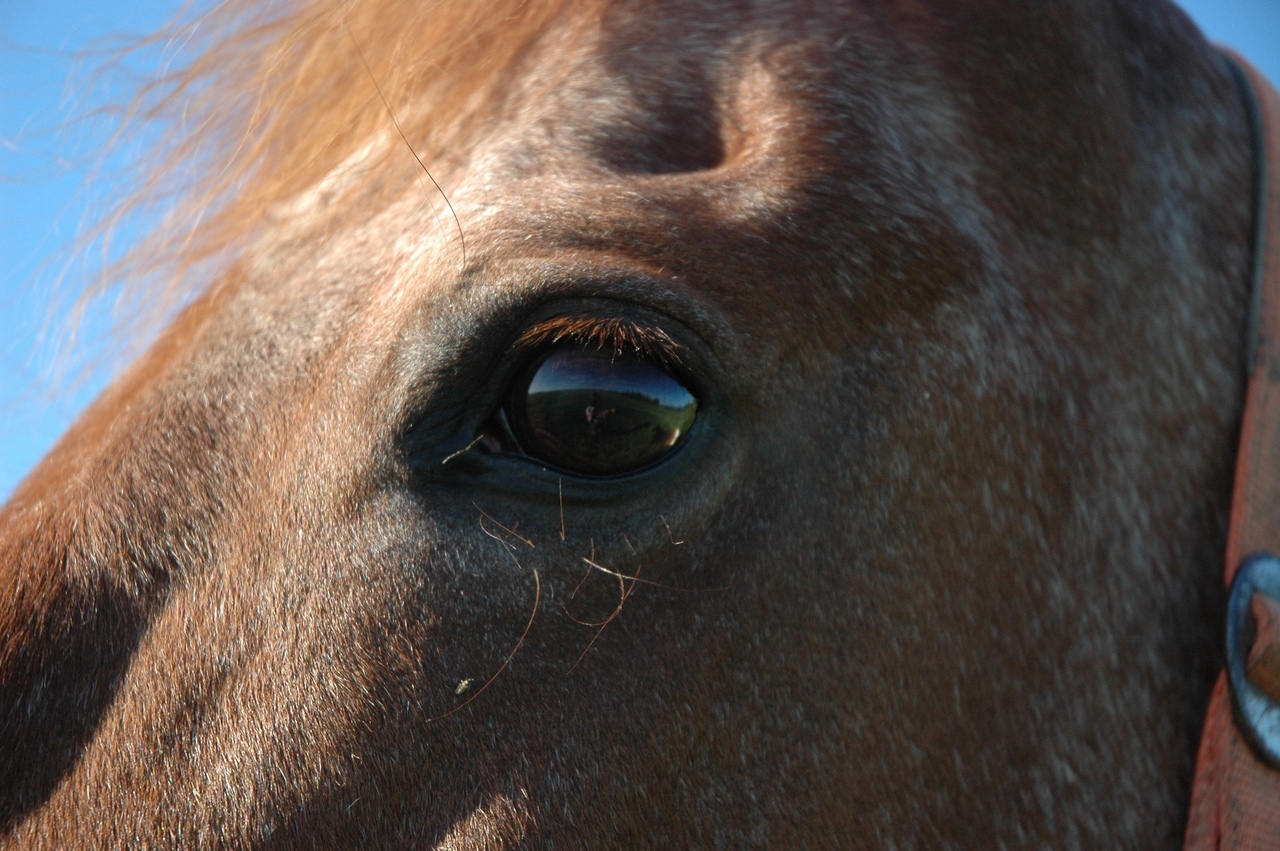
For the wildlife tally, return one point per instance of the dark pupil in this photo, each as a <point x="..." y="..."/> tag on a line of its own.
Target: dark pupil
<point x="596" y="413"/>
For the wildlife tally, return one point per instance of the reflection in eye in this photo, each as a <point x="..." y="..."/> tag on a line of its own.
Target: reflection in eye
<point x="599" y="413"/>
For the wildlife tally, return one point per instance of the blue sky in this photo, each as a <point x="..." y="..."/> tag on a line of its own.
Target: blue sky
<point x="43" y="199"/>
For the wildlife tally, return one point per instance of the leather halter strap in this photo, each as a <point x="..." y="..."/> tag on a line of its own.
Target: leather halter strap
<point x="1235" y="799"/>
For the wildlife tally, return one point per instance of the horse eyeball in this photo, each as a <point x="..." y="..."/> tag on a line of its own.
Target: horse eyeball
<point x="598" y="413"/>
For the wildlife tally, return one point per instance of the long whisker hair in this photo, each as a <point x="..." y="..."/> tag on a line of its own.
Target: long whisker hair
<point x="462" y="239"/>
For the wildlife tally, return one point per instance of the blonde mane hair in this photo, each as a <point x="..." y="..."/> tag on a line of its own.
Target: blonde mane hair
<point x="275" y="98"/>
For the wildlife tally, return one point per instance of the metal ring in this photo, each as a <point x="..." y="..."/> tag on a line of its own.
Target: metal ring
<point x="1257" y="713"/>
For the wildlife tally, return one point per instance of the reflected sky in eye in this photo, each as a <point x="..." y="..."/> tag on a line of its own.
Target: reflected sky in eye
<point x="601" y="370"/>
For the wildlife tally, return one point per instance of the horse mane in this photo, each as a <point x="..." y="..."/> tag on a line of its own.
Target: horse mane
<point x="274" y="99"/>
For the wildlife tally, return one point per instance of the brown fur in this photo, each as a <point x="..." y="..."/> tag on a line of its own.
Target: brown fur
<point x="961" y="292"/>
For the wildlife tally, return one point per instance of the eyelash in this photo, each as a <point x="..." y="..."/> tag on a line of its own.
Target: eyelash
<point x="620" y="334"/>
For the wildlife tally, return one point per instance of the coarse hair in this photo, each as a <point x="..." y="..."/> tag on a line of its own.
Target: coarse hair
<point x="274" y="98"/>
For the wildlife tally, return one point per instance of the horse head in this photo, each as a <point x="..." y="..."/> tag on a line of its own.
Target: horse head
<point x="678" y="425"/>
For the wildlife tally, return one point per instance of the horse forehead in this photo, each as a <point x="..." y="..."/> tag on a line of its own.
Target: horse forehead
<point x="638" y="103"/>
<point x="672" y="145"/>
<point x="742" y="142"/>
<point x="664" y="120"/>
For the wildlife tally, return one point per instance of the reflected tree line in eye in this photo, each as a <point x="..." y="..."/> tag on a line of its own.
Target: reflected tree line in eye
<point x="600" y="413"/>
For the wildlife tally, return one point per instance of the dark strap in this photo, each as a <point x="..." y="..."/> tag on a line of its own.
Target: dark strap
<point x="1235" y="800"/>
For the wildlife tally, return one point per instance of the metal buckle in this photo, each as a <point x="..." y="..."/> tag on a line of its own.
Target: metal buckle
<point x="1257" y="713"/>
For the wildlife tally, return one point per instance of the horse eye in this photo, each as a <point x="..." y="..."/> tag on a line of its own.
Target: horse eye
<point x="597" y="413"/>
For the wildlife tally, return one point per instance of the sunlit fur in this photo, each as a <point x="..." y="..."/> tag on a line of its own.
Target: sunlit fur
<point x="961" y="289"/>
